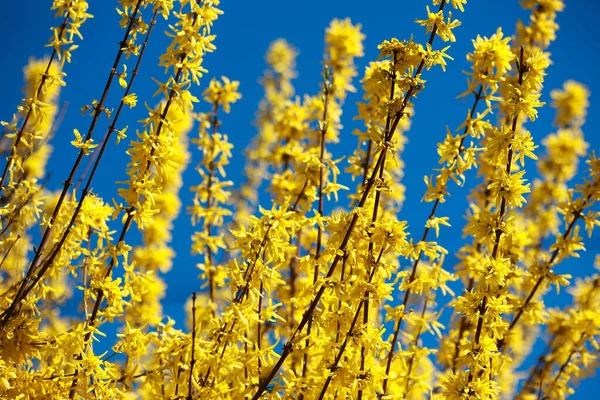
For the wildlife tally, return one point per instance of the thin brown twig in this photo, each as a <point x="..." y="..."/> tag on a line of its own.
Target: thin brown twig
<point x="23" y="290"/>
<point x="9" y="250"/>
<point x="322" y="145"/>
<point x="576" y="216"/>
<point x="351" y="331"/>
<point x="242" y="291"/>
<point x="13" y="214"/>
<point x="464" y="324"/>
<point x="407" y="294"/>
<point x="541" y="363"/>
<point x="543" y="360"/>
<point x="575" y="349"/>
<point x="259" y="327"/>
<point x="38" y="92"/>
<point x="209" y="200"/>
<point x="375" y="212"/>
<point x="287" y="348"/>
<point x="48" y="262"/>
<point x="193" y="350"/>
<point x="502" y="211"/>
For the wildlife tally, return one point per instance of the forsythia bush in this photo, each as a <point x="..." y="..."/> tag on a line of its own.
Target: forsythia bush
<point x="297" y="301"/>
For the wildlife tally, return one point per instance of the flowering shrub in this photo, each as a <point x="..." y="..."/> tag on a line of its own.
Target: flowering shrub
<point x="296" y="300"/>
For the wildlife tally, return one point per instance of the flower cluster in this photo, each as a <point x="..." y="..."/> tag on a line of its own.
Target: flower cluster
<point x="310" y="283"/>
<point x="212" y="194"/>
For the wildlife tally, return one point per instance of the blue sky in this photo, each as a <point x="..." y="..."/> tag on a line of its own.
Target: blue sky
<point x="243" y="35"/>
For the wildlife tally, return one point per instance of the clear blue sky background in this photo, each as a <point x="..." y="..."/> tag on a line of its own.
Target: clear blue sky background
<point x="243" y="35"/>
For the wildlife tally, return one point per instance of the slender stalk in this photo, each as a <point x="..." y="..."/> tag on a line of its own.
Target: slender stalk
<point x="239" y="296"/>
<point x="543" y="360"/>
<point x="259" y="327"/>
<point x="209" y="201"/>
<point x="9" y="250"/>
<point x="85" y="276"/>
<point x="38" y="92"/>
<point x="501" y="213"/>
<point x="86" y="190"/>
<point x="574" y="350"/>
<point x="179" y="371"/>
<point x="308" y="313"/>
<point x="130" y="211"/>
<point x="99" y="297"/>
<point x="23" y="291"/>
<point x="293" y="276"/>
<point x="13" y="215"/>
<point x="323" y="133"/>
<point x="540" y="364"/>
<point x="577" y="215"/>
<point x="413" y="274"/>
<point x="367" y="160"/>
<point x="342" y="276"/>
<point x="464" y="324"/>
<point x="193" y="360"/>
<point x="287" y="348"/>
<point x="246" y="352"/>
<point x="374" y="216"/>
<point x="351" y="331"/>
<point x="241" y="293"/>
<point x="336" y="362"/>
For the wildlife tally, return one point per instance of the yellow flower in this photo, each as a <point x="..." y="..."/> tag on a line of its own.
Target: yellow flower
<point x="223" y="94"/>
<point x="86" y="146"/>
<point x="571" y="103"/>
<point x="444" y="28"/>
<point x="130" y="100"/>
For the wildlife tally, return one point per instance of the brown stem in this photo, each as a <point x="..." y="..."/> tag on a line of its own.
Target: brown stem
<point x="239" y="296"/>
<point x="241" y="293"/>
<point x="323" y="133"/>
<point x="13" y="215"/>
<point x="293" y="276"/>
<point x="413" y="273"/>
<point x="351" y="330"/>
<point x="208" y="225"/>
<point x="86" y="190"/>
<point x="543" y="360"/>
<point x="398" y="325"/>
<point x="287" y="348"/>
<point x="336" y="362"/>
<point x="131" y="209"/>
<point x="342" y="275"/>
<point x="541" y="363"/>
<point x="501" y="213"/>
<point x="9" y="249"/>
<point x="374" y="216"/>
<point x="575" y="349"/>
<point x="38" y="92"/>
<point x="578" y="214"/>
<point x="259" y="327"/>
<point x="463" y="320"/>
<point x="367" y="160"/>
<point x="193" y="360"/>
<point x="23" y="291"/>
